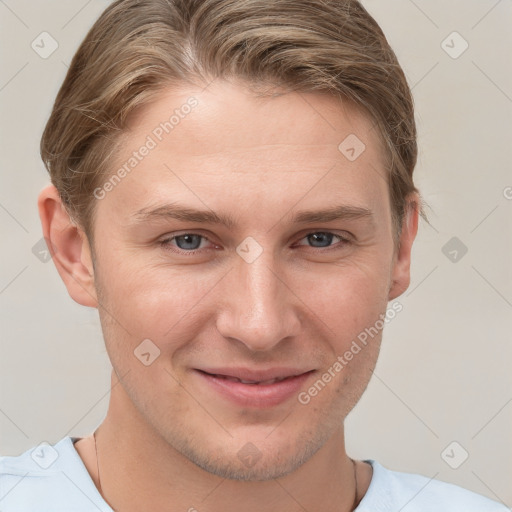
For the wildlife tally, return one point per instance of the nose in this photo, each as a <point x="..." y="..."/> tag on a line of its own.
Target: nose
<point x="258" y="307"/>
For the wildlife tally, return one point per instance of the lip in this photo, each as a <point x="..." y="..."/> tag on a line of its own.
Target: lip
<point x="255" y="395"/>
<point x="256" y="375"/>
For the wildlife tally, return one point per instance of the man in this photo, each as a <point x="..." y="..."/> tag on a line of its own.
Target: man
<point x="232" y="189"/>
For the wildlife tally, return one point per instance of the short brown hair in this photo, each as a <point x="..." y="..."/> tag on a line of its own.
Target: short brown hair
<point x="138" y="48"/>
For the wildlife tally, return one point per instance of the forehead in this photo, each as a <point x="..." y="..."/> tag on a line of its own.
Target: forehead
<point x="225" y="143"/>
<point x="231" y="116"/>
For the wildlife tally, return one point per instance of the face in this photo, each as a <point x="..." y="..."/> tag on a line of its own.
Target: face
<point x="249" y="285"/>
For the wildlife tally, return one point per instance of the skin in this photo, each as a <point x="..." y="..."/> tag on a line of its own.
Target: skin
<point x="167" y="437"/>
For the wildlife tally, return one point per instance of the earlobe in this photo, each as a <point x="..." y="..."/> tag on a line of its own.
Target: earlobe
<point x="68" y="246"/>
<point x="400" y="274"/>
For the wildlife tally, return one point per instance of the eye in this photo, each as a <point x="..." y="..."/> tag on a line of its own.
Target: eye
<point x="187" y="242"/>
<point x="323" y="239"/>
<point x="190" y="243"/>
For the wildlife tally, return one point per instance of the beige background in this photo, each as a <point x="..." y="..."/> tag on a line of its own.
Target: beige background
<point x="444" y="372"/>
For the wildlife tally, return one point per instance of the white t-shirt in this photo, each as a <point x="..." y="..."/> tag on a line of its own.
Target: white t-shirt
<point x="53" y="478"/>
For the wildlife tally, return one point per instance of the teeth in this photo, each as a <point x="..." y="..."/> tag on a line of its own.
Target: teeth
<point x="235" y="379"/>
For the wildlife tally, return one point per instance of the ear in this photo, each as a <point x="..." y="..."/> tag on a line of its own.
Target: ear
<point x="68" y="246"/>
<point x="400" y="274"/>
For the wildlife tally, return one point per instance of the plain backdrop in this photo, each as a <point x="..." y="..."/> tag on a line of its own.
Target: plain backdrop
<point x="442" y="388"/>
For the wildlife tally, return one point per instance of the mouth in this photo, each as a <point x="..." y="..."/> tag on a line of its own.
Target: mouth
<point x="262" y="392"/>
<point x="250" y="382"/>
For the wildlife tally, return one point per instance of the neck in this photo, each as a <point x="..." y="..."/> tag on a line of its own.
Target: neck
<point x="162" y="475"/>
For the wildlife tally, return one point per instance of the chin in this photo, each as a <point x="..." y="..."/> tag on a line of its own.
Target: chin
<point x="250" y="463"/>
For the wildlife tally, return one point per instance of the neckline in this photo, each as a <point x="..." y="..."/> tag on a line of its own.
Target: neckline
<point x="93" y="490"/>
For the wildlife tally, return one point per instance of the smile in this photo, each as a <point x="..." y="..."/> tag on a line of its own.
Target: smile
<point x="253" y="392"/>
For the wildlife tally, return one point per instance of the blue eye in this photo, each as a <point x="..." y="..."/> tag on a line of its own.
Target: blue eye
<point x="322" y="237"/>
<point x="190" y="243"/>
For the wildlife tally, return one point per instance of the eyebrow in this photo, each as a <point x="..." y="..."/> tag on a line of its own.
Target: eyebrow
<point x="182" y="213"/>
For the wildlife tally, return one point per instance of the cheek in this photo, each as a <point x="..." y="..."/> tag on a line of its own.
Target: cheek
<point x="160" y="303"/>
<point x="347" y="297"/>
<point x="351" y="301"/>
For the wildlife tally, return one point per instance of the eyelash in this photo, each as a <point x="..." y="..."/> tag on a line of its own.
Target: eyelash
<point x="166" y="243"/>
